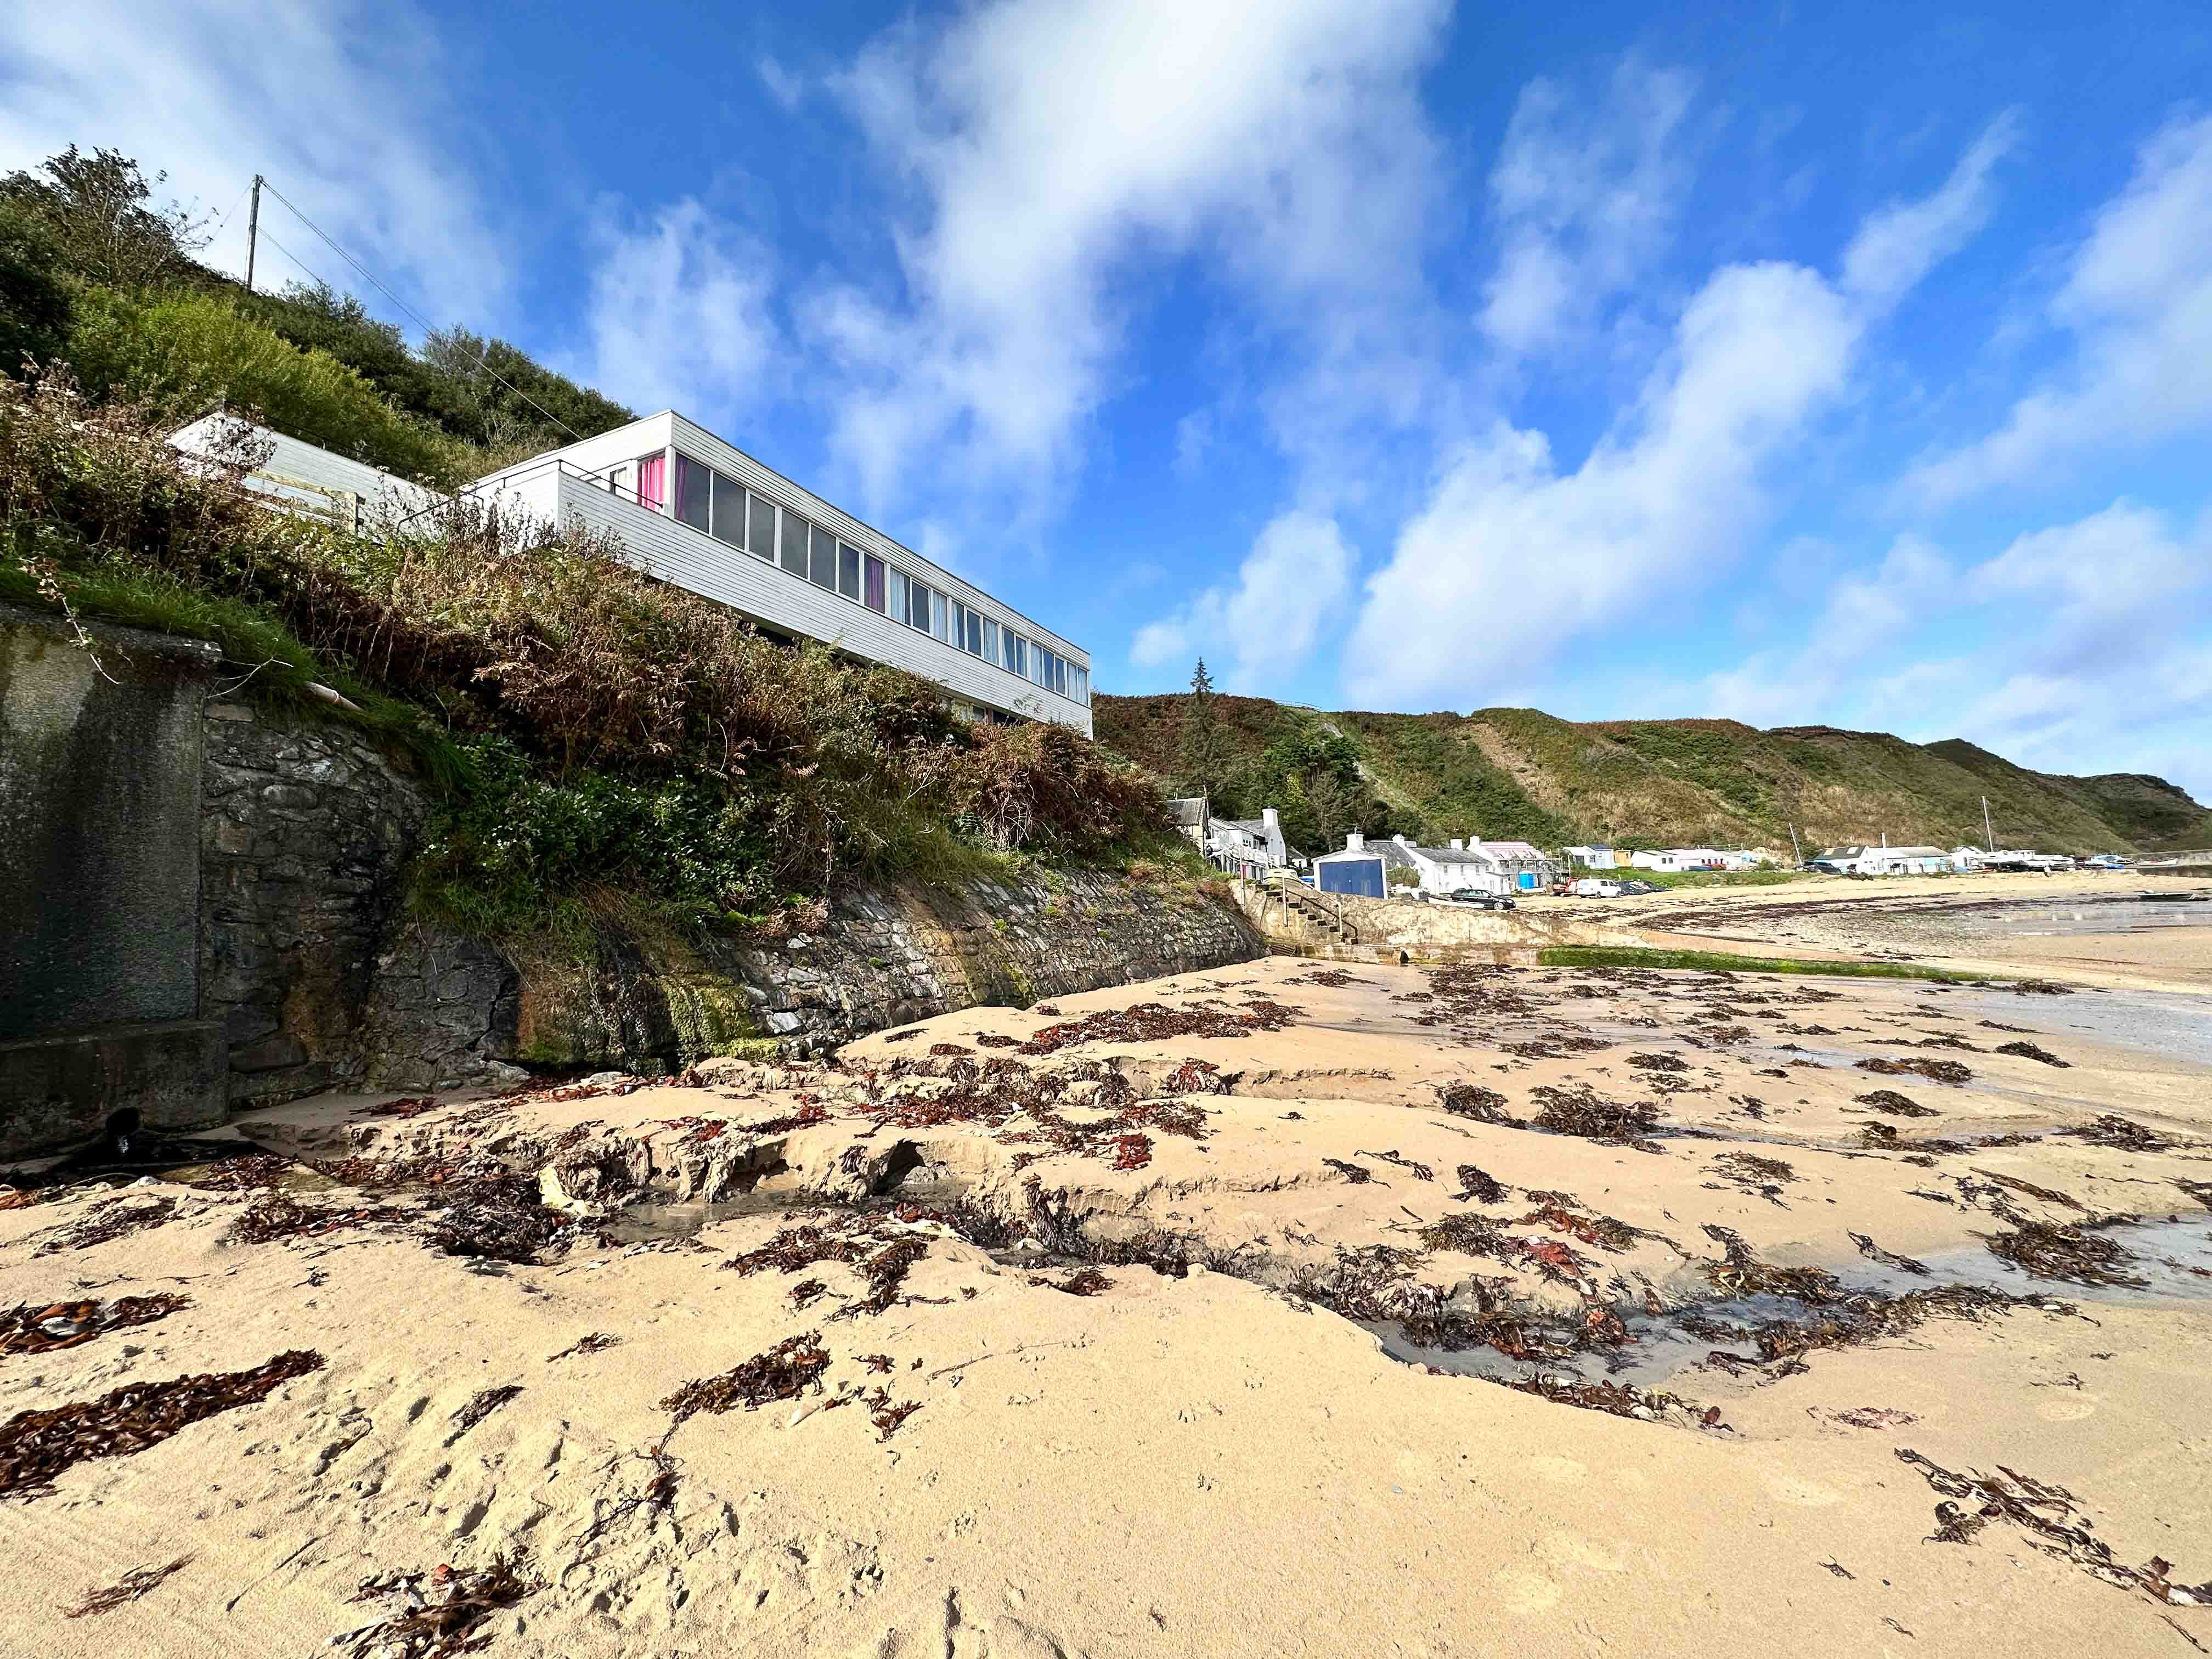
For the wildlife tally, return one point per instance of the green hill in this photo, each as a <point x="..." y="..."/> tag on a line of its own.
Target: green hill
<point x="1518" y="772"/>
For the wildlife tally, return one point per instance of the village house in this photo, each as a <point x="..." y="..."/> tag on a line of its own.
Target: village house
<point x="1247" y="847"/>
<point x="1591" y="858"/>
<point x="1487" y="867"/>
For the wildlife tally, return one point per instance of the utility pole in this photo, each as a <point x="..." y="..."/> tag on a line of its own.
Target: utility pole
<point x="1796" y="851"/>
<point x="253" y="232"/>
<point x="1989" y="835"/>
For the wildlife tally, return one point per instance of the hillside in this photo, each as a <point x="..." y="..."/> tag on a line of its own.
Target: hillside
<point x="1517" y="772"/>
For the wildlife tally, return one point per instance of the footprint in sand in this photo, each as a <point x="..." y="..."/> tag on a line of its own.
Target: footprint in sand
<point x="1521" y="1590"/>
<point x="2066" y="1410"/>
<point x="1796" y="1489"/>
<point x="1564" y="1470"/>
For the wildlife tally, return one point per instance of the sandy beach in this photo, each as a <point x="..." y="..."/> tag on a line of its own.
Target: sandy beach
<point x="1281" y="1308"/>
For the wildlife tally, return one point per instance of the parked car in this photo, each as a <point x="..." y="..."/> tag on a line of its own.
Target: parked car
<point x="1591" y="887"/>
<point x="1630" y="889"/>
<point x="1480" y="900"/>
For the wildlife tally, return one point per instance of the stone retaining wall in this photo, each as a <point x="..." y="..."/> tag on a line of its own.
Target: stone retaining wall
<point x="320" y="977"/>
<point x="1409" y="924"/>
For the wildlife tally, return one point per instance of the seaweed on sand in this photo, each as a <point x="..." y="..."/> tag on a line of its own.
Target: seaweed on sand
<point x="1936" y="1070"/>
<point x="26" y="1328"/>
<point x="36" y="1446"/>
<point x="109" y="1219"/>
<point x="445" y="1619"/>
<point x="1897" y="1105"/>
<point x="2047" y="1514"/>
<point x="1473" y="1100"/>
<point x="2072" y="1254"/>
<point x="1481" y="1187"/>
<point x="2028" y="1050"/>
<point x="276" y="1216"/>
<point x="1582" y="1111"/>
<point x="2122" y="1135"/>
<point x="139" y="1581"/>
<point x="782" y="1372"/>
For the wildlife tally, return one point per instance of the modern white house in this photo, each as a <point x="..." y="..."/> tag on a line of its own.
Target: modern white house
<point x="1591" y="858"/>
<point x="308" y="480"/>
<point x="698" y="514"/>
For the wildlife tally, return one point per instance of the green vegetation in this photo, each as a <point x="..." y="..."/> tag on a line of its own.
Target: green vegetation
<point x="95" y="273"/>
<point x="1673" y="878"/>
<point x="1505" y="773"/>
<point x="1631" y="955"/>
<point x="606" y="752"/>
<point x="588" y="729"/>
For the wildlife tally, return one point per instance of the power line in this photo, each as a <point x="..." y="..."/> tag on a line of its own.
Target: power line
<point x="369" y="276"/>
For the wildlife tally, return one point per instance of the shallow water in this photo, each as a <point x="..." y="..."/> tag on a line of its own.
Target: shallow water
<point x="2063" y="916"/>
<point x="2169" y="1025"/>
<point x="2166" y="1251"/>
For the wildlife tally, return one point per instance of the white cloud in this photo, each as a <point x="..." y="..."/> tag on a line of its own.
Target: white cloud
<point x="1898" y="245"/>
<point x="1194" y="437"/>
<point x="1512" y="557"/>
<point x="1047" y="145"/>
<point x="2137" y="306"/>
<point x="2094" y="652"/>
<point x="786" y="87"/>
<point x="1865" y="616"/>
<point x="678" y="317"/>
<point x="1583" y="203"/>
<point x="344" y="107"/>
<point x="1292" y="582"/>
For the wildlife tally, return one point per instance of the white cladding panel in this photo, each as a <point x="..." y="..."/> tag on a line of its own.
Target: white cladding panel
<point x="676" y="553"/>
<point x="289" y="459"/>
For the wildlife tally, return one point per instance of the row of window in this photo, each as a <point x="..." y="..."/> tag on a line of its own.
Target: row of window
<point x="730" y="513"/>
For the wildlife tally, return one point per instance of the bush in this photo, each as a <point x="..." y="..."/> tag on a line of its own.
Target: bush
<point x="34" y="307"/>
<point x="181" y="353"/>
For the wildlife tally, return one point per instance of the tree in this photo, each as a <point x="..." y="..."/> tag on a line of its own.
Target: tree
<point x="99" y="210"/>
<point x="1204" y="760"/>
<point x="34" y="307"/>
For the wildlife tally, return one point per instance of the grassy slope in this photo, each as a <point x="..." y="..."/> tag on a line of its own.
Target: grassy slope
<point x="1502" y="772"/>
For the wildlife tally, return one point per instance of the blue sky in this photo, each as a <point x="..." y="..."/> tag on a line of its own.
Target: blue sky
<point x="1808" y="364"/>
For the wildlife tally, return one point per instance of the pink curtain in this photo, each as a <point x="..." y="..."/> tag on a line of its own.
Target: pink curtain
<point x="652" y="473"/>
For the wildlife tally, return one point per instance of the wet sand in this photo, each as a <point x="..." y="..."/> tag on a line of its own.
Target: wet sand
<point x="1145" y="1311"/>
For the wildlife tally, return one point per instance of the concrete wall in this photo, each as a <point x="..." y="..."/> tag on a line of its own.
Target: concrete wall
<point x="1410" y="925"/>
<point x="100" y="803"/>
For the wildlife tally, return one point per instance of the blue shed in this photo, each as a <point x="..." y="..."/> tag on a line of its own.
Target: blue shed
<point x="1353" y="869"/>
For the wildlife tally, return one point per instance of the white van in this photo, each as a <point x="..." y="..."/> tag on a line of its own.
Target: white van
<point x="1589" y="887"/>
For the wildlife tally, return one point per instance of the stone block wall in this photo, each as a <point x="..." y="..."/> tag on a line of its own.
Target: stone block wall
<point x="305" y="832"/>
<point x="321" y="978"/>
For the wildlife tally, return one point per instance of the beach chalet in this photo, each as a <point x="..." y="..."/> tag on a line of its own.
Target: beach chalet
<point x="1247" y="847"/>
<point x="1675" y="859"/>
<point x="700" y="514"/>
<point x="1860" y="860"/>
<point x="1591" y="858"/>
<point x="1355" y="869"/>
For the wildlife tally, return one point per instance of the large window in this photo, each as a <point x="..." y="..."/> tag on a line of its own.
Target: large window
<point x="694" y="493"/>
<point x="761" y="533"/>
<point x="729" y="524"/>
<point x="710" y="501"/>
<point x="791" y="547"/>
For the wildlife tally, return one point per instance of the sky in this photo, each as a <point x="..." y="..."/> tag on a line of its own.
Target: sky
<point x="1795" y="364"/>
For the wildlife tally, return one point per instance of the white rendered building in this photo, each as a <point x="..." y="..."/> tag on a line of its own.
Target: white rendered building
<point x="699" y="514"/>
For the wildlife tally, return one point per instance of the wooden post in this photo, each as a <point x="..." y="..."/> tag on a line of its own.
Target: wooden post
<point x="253" y="232"/>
